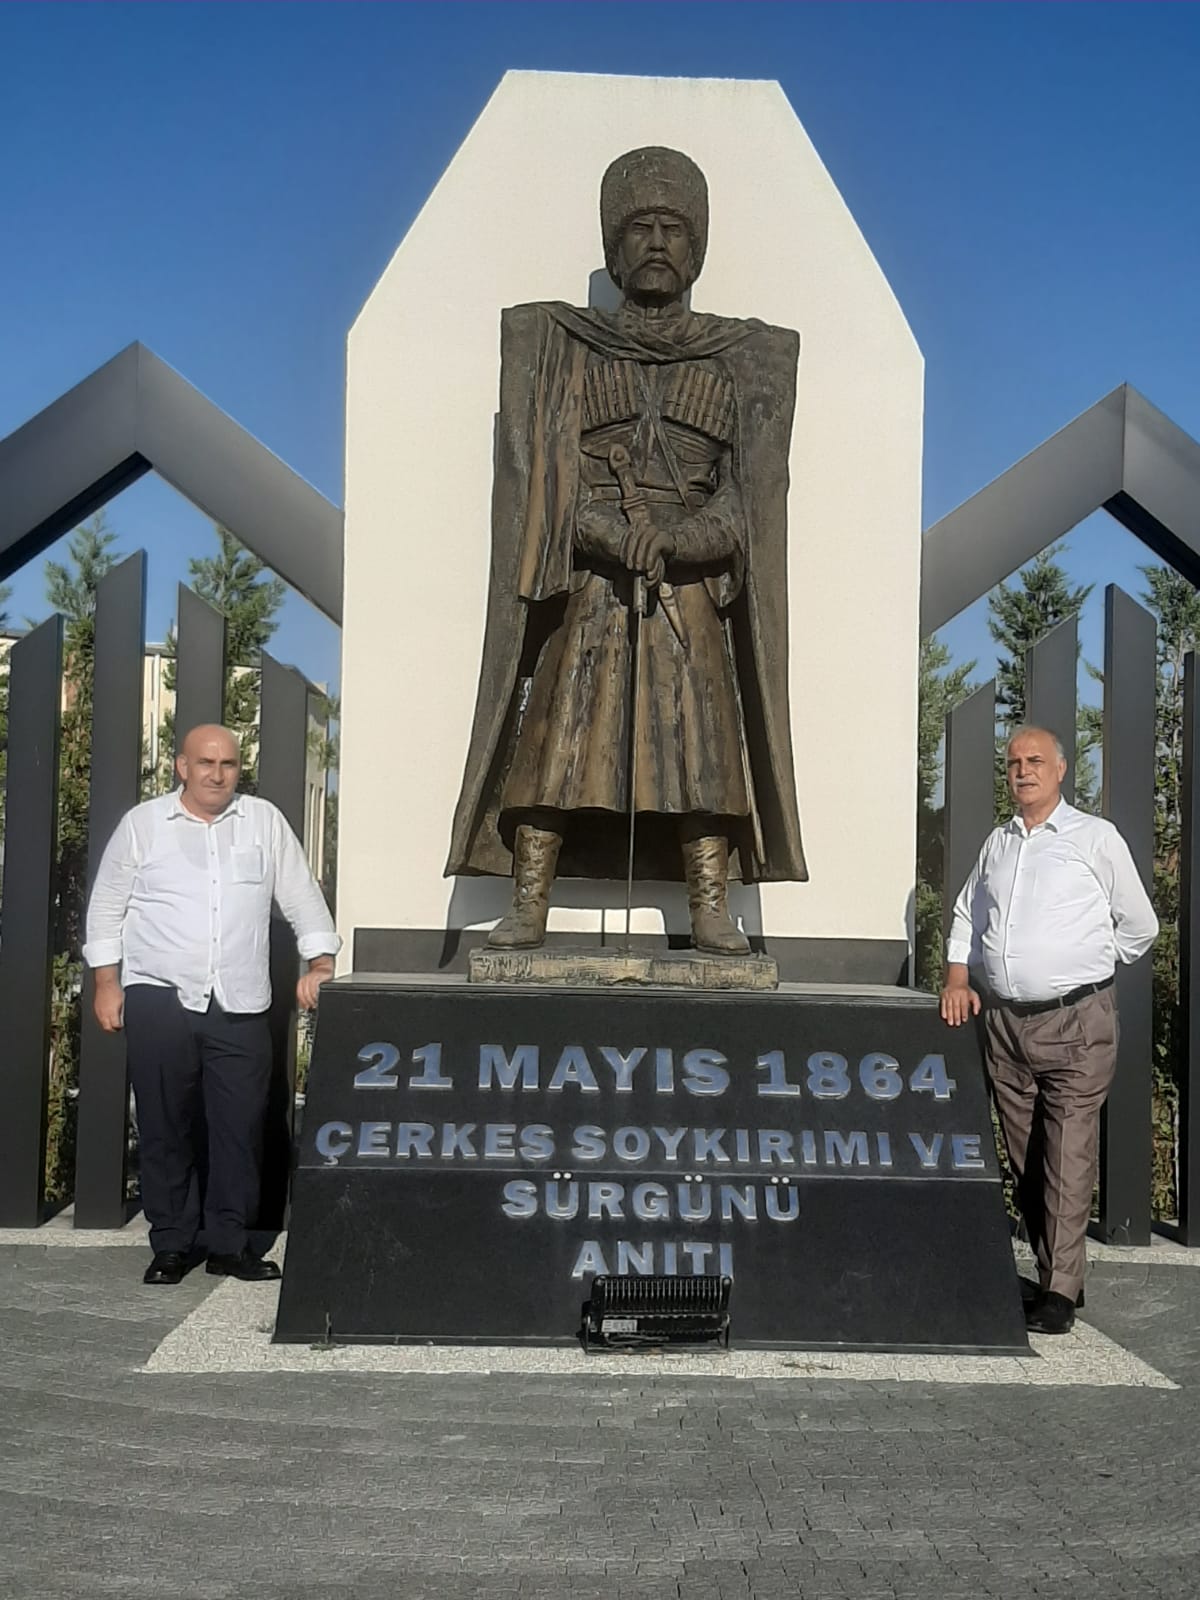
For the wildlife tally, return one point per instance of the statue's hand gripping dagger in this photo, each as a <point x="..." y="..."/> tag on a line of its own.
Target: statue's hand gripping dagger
<point x="633" y="504"/>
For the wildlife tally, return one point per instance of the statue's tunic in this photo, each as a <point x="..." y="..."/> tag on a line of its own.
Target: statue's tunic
<point x="704" y="406"/>
<point x="573" y="742"/>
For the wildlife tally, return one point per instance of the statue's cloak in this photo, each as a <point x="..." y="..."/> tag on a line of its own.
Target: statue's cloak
<point x="543" y="352"/>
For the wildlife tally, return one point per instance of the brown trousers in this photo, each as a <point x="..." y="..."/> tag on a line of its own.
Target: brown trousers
<point x="1050" y="1075"/>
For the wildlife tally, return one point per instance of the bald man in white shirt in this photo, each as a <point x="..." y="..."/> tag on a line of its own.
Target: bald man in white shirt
<point x="1052" y="904"/>
<point x="178" y="932"/>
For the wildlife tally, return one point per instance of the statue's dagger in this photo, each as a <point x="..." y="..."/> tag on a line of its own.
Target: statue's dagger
<point x="633" y="504"/>
<point x="618" y="460"/>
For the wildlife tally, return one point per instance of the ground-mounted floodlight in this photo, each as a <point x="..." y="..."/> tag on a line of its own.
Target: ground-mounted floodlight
<point x="632" y="1312"/>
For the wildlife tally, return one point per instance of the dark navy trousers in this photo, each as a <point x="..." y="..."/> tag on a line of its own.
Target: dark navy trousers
<point x="200" y="1082"/>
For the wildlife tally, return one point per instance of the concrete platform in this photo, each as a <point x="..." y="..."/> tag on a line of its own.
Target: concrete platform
<point x="231" y="1332"/>
<point x="119" y="1477"/>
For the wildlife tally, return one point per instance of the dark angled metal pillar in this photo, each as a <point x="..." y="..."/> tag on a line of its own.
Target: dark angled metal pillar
<point x="199" y="665"/>
<point x="27" y="930"/>
<point x="970" y="798"/>
<point x="102" y="1137"/>
<point x="1050" y="690"/>
<point x="1129" y="694"/>
<point x="1189" y="963"/>
<point x="282" y="769"/>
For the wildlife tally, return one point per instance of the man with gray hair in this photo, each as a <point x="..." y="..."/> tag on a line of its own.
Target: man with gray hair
<point x="1050" y="907"/>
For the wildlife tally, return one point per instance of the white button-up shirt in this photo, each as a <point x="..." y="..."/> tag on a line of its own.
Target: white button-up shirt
<point x="185" y="904"/>
<point x="1048" y="909"/>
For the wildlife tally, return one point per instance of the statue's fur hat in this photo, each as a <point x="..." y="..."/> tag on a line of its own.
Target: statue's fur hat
<point x="653" y="179"/>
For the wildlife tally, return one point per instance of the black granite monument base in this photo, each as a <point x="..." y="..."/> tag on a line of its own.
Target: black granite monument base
<point x="472" y="1157"/>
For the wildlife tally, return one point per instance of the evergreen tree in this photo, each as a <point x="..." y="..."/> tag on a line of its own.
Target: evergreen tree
<point x="323" y="747"/>
<point x="233" y="582"/>
<point x="1019" y="614"/>
<point x="323" y="739"/>
<point x="71" y="590"/>
<point x="940" y="688"/>
<point x="329" y="860"/>
<point x="1176" y="608"/>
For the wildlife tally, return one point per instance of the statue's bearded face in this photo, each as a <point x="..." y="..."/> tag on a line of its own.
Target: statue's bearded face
<point x="655" y="258"/>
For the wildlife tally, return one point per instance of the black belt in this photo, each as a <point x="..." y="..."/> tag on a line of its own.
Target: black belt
<point x="1031" y="1008"/>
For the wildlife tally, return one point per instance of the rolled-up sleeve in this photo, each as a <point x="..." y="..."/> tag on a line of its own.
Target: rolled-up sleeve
<point x="299" y="898"/>
<point x="110" y="898"/>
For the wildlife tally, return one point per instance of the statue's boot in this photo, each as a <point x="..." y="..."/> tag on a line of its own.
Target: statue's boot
<point x="706" y="863"/>
<point x="535" y="856"/>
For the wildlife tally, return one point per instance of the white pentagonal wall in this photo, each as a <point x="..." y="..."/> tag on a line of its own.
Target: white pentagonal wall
<point x="514" y="218"/>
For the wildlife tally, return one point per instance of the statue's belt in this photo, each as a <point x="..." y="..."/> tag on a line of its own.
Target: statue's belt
<point x="683" y="574"/>
<point x="654" y="496"/>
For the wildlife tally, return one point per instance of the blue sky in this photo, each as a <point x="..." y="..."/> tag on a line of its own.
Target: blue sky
<point x="225" y="182"/>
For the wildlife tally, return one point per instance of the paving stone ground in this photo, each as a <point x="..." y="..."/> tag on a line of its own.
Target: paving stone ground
<point x="526" y="1487"/>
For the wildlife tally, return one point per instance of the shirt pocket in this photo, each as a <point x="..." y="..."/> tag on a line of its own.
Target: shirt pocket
<point x="246" y="865"/>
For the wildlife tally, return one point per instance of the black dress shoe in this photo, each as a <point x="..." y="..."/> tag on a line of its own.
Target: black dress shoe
<point x="1053" y="1313"/>
<point x="1032" y="1293"/>
<point x="245" y="1265"/>
<point x="168" y="1266"/>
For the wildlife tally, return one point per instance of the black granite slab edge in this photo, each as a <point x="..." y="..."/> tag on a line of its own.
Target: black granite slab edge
<point x="834" y="961"/>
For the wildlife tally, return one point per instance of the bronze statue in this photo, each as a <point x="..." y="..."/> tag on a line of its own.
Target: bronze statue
<point x="635" y="655"/>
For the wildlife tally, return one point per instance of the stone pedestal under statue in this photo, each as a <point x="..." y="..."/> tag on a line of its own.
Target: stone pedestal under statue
<point x="623" y="967"/>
